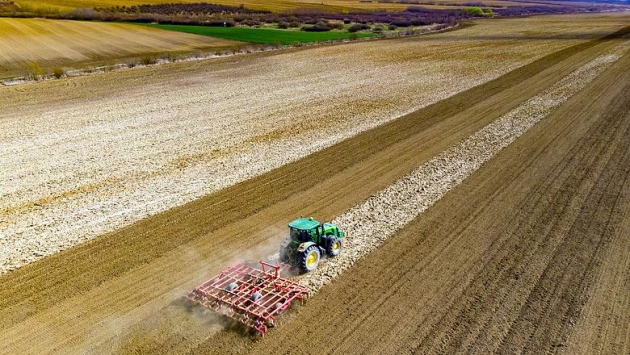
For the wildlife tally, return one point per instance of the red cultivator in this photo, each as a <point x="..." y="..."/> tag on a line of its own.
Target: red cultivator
<point x="248" y="295"/>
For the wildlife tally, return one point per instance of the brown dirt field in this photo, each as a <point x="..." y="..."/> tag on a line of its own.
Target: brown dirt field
<point x="529" y="255"/>
<point x="121" y="292"/>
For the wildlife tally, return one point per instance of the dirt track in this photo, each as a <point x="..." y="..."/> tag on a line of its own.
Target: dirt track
<point x="69" y="304"/>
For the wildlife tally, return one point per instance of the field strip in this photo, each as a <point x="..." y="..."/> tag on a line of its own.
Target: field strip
<point x="368" y="225"/>
<point x="97" y="203"/>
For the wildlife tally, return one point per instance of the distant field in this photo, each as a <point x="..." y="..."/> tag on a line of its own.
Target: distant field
<point x="270" y="5"/>
<point x="260" y="35"/>
<point x="51" y="43"/>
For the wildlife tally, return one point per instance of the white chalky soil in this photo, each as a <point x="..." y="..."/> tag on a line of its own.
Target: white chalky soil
<point x="85" y="156"/>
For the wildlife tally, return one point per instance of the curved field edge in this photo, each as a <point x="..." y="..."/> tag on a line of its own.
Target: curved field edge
<point x="41" y="285"/>
<point x="38" y="46"/>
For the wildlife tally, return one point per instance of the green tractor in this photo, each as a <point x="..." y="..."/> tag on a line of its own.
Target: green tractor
<point x="308" y="241"/>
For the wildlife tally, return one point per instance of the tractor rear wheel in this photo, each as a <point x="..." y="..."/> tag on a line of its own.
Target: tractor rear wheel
<point x="309" y="259"/>
<point x="335" y="246"/>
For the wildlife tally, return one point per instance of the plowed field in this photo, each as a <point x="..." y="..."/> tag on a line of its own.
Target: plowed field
<point x="528" y="254"/>
<point x="85" y="156"/>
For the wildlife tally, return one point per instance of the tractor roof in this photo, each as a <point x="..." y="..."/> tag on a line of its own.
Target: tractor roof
<point x="304" y="223"/>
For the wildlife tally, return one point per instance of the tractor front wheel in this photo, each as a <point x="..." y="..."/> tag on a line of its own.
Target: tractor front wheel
<point x="335" y="246"/>
<point x="309" y="259"/>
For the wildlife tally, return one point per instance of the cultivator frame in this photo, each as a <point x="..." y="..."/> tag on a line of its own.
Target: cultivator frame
<point x="248" y="295"/>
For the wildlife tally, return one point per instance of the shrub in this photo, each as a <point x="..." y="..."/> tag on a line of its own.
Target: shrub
<point x="109" y="66"/>
<point x="147" y="60"/>
<point x="335" y="26"/>
<point x="401" y="22"/>
<point x="170" y="57"/>
<point x="58" y="72"/>
<point x="418" y="22"/>
<point x="35" y="71"/>
<point x="283" y="25"/>
<point x="474" y="11"/>
<point x="318" y="27"/>
<point x="250" y="22"/>
<point x="83" y="14"/>
<point x="358" y="27"/>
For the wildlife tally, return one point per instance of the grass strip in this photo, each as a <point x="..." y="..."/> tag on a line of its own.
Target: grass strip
<point x="261" y="35"/>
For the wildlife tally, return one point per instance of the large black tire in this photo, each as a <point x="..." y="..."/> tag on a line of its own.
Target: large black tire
<point x="335" y="246"/>
<point x="309" y="259"/>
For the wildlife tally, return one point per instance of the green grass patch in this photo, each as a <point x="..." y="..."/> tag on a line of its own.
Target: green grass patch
<point x="261" y="35"/>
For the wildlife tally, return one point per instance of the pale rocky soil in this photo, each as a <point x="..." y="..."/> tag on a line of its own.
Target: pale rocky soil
<point x="84" y="156"/>
<point x="368" y="225"/>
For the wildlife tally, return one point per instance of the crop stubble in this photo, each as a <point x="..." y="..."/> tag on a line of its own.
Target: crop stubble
<point x="112" y="305"/>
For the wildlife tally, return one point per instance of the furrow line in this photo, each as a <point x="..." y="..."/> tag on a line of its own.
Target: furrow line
<point x="369" y="224"/>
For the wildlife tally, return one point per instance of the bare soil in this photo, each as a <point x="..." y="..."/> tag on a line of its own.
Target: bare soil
<point x="85" y="156"/>
<point x="528" y="255"/>
<point x="504" y="262"/>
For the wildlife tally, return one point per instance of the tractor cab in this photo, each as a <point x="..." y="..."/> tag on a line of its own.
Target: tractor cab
<point x="308" y="240"/>
<point x="304" y="229"/>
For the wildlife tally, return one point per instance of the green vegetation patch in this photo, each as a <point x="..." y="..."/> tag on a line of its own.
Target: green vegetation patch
<point x="261" y="35"/>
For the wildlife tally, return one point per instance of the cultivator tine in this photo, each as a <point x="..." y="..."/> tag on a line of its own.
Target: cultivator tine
<point x="248" y="295"/>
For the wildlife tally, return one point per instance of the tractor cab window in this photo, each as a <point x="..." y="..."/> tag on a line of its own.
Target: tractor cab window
<point x="301" y="235"/>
